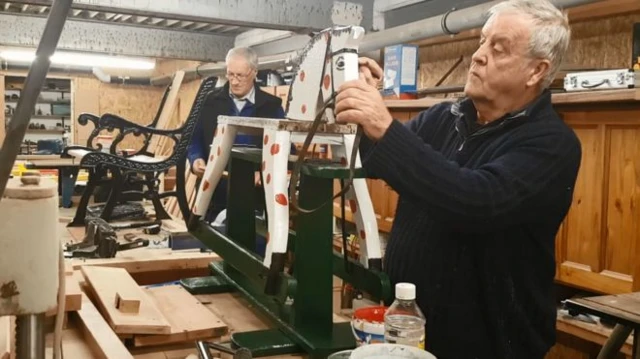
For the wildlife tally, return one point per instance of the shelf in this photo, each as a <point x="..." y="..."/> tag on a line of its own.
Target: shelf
<point x="626" y="95"/>
<point x="46" y="117"/>
<point x="45" y="131"/>
<point x="45" y="102"/>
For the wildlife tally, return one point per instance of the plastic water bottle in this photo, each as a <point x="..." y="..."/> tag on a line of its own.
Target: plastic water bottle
<point x="404" y="322"/>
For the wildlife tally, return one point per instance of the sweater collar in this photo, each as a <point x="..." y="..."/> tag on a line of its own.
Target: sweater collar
<point x="466" y="115"/>
<point x="465" y="107"/>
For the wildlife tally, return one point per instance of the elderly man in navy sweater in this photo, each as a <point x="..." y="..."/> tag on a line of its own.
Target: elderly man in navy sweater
<point x="240" y="96"/>
<point x="484" y="184"/>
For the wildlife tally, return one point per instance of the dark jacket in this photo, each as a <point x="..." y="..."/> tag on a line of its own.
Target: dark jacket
<point x="479" y="208"/>
<point x="220" y="103"/>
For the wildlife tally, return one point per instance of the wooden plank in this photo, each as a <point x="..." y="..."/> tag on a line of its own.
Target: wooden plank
<point x="594" y="333"/>
<point x="624" y="306"/>
<point x="626" y="95"/>
<point x="105" y="282"/>
<point x="73" y="295"/>
<point x="74" y="345"/>
<point x="5" y="337"/>
<point x="189" y="319"/>
<point x="152" y="261"/>
<point x="167" y="111"/>
<point x="104" y="343"/>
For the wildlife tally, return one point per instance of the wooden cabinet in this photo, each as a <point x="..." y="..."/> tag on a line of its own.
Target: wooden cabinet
<point x="598" y="244"/>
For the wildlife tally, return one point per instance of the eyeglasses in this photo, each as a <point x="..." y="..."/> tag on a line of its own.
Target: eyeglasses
<point x="239" y="77"/>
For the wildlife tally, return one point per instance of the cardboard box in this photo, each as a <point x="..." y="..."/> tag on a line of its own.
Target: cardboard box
<point x="400" y="69"/>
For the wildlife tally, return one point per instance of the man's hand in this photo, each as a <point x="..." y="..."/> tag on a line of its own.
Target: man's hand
<point x="360" y="103"/>
<point x="370" y="71"/>
<point x="198" y="167"/>
<point x="256" y="179"/>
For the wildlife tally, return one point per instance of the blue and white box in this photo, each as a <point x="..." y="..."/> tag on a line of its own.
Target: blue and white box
<point x="400" y="69"/>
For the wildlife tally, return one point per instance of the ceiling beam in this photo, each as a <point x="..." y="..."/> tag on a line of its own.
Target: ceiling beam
<point x="285" y="15"/>
<point x="118" y="38"/>
<point x="423" y="10"/>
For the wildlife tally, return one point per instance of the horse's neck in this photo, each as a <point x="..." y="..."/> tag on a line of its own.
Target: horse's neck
<point x="321" y="73"/>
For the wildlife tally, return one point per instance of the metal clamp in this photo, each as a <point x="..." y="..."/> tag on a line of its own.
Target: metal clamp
<point x="443" y="22"/>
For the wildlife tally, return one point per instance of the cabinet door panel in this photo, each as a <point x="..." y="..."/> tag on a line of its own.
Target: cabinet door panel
<point x="584" y="220"/>
<point x="623" y="202"/>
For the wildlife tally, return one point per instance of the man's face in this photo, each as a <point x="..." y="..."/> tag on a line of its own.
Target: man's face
<point x="501" y="65"/>
<point x="240" y="75"/>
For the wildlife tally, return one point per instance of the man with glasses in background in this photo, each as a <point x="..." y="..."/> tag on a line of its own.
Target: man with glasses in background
<point x="240" y="96"/>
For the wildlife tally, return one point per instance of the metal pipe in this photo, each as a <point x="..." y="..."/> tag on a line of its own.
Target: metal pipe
<point x="32" y="86"/>
<point x="219" y="69"/>
<point x="449" y="23"/>
<point x="123" y="80"/>
<point x="30" y="336"/>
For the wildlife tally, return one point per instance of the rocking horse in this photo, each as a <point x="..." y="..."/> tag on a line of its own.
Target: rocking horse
<point x="328" y="60"/>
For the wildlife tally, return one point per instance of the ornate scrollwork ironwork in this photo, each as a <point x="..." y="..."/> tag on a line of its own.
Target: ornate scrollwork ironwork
<point x="181" y="137"/>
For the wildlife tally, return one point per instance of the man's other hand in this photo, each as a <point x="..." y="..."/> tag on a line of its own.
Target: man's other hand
<point x="370" y="71"/>
<point x="198" y="167"/>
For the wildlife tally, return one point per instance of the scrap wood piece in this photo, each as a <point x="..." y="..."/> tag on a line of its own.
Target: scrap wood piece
<point x="167" y="111"/>
<point x="105" y="282"/>
<point x="104" y="343"/>
<point x="190" y="319"/>
<point x="73" y="295"/>
<point x="168" y="260"/>
<point x="127" y="302"/>
<point x="5" y="337"/>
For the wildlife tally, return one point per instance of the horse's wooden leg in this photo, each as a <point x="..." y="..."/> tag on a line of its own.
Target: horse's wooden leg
<point x="361" y="207"/>
<point x="275" y="157"/>
<point x="218" y="158"/>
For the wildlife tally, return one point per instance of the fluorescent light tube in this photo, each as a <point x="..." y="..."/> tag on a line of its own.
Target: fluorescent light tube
<point x="78" y="59"/>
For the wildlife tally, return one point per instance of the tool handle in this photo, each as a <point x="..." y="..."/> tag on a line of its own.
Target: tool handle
<point x="138" y="243"/>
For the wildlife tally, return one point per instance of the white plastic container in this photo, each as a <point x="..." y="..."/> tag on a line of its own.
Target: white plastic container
<point x="30" y="247"/>
<point x="390" y="351"/>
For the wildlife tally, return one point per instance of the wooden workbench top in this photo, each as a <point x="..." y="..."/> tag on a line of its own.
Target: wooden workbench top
<point x="627" y="95"/>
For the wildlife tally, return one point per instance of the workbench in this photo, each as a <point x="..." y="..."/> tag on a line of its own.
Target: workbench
<point x="622" y="309"/>
<point x="68" y="169"/>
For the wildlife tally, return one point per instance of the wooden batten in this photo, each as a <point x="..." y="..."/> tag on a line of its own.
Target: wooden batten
<point x="104" y="283"/>
<point x="103" y="342"/>
<point x="190" y="320"/>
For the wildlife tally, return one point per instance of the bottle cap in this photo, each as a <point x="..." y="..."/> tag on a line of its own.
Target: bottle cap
<point x="405" y="291"/>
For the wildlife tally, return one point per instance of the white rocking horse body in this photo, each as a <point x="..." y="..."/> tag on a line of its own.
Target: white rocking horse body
<point x="329" y="59"/>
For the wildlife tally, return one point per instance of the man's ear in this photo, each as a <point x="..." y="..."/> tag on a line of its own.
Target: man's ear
<point x="537" y="73"/>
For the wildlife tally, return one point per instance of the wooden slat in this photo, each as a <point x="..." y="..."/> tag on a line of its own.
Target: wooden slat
<point x="624" y="306"/>
<point x="105" y="282"/>
<point x="167" y="111"/>
<point x="557" y="98"/>
<point x="189" y="319"/>
<point x="5" y="337"/>
<point x="159" y="262"/>
<point x="104" y="343"/>
<point x="73" y="295"/>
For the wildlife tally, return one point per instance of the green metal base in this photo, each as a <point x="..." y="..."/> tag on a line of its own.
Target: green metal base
<point x="316" y="344"/>
<point x="207" y="285"/>
<point x="264" y="343"/>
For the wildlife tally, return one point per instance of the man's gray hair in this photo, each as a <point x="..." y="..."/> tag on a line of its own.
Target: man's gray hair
<point x="550" y="35"/>
<point x="246" y="53"/>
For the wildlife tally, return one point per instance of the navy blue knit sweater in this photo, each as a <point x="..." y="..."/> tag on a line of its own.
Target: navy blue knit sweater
<point x="479" y="208"/>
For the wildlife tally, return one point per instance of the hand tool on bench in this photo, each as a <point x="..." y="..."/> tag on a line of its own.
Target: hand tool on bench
<point x="204" y="353"/>
<point x="101" y="241"/>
